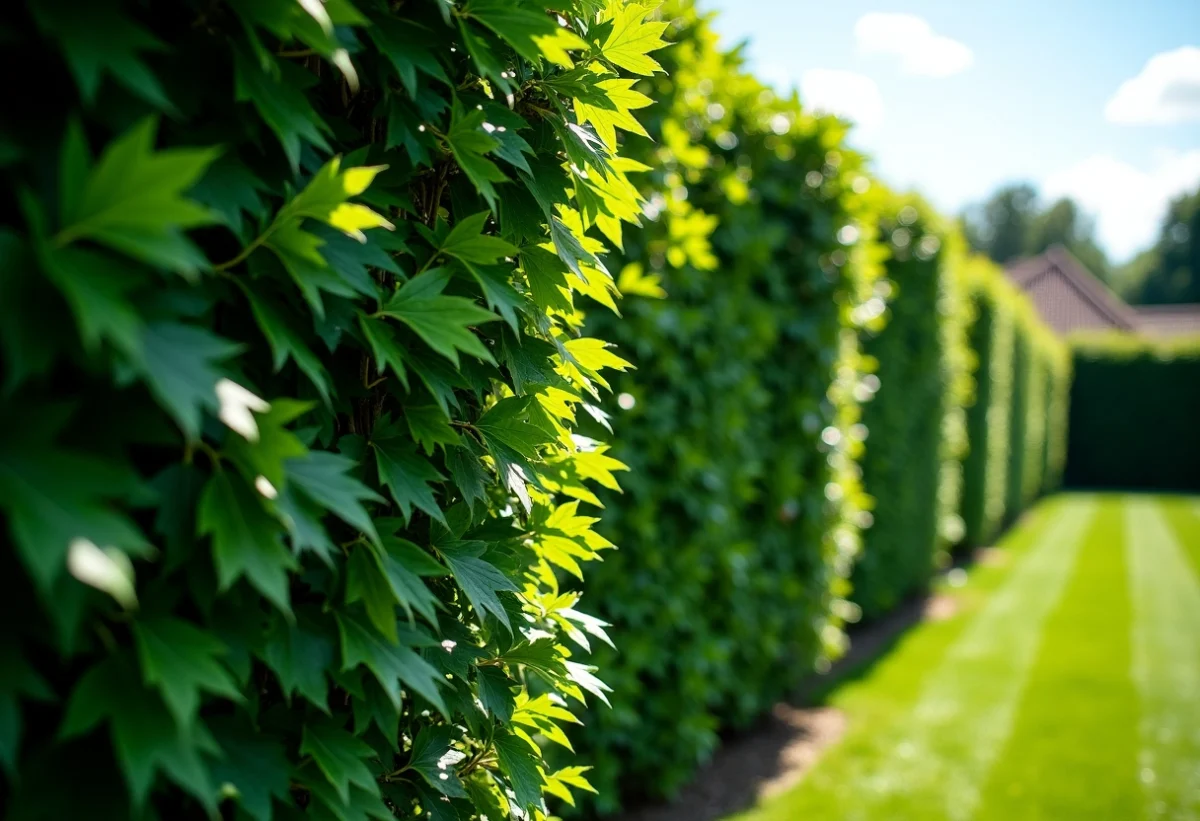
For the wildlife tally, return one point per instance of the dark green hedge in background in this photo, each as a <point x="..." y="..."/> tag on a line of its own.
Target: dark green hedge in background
<point x="1135" y="414"/>
<point x="290" y="333"/>
<point x="740" y="513"/>
<point x="916" y="423"/>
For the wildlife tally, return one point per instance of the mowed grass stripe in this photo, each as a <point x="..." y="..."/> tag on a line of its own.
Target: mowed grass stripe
<point x="878" y="699"/>
<point x="1072" y="753"/>
<point x="1166" y="662"/>
<point x="965" y="713"/>
<point x="930" y="763"/>
<point x="1183" y="516"/>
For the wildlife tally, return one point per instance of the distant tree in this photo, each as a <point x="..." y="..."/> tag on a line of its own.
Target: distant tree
<point x="1010" y="225"/>
<point x="1170" y="271"/>
<point x="999" y="227"/>
<point x="1063" y="223"/>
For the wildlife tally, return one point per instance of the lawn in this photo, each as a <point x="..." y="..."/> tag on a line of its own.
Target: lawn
<point x="1066" y="684"/>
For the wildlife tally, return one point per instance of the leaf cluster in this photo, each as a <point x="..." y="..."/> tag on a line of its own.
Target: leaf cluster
<point x="291" y="364"/>
<point x="740" y="423"/>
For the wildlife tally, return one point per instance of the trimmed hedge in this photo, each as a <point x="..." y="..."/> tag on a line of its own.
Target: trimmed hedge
<point x="917" y="436"/>
<point x="740" y="424"/>
<point x="985" y="481"/>
<point x="290" y="378"/>
<point x="1018" y="423"/>
<point x="1135" y="414"/>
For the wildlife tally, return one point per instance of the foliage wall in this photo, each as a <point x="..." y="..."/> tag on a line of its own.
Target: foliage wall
<point x="916" y="423"/>
<point x="1133" y="415"/>
<point x="986" y="467"/>
<point x="740" y="425"/>
<point x="291" y="366"/>
<point x="1019" y="423"/>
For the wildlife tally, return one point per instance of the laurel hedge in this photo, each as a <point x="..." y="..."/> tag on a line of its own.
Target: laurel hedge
<point x="740" y="514"/>
<point x="1133" y="415"/>
<point x="290" y="329"/>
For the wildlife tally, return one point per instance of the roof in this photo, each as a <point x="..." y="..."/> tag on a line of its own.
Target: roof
<point x="1165" y="321"/>
<point x="1070" y="298"/>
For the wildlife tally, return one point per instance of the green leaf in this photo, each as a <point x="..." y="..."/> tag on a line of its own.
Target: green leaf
<point x="547" y="275"/>
<point x="145" y="737"/>
<point x="468" y="475"/>
<point x="405" y="46"/>
<point x="391" y="664"/>
<point x="181" y="661"/>
<point x="443" y="322"/>
<point x="300" y="654"/>
<point x="467" y="242"/>
<point x="495" y="692"/>
<point x="97" y="287"/>
<point x="429" y="427"/>
<point x="631" y="39"/>
<point x="254" y="765"/>
<point x="339" y="756"/>
<point x="302" y="518"/>
<point x="434" y="758"/>
<point x="385" y="345"/>
<point x="286" y="343"/>
<point x="365" y="582"/>
<point x="97" y="39"/>
<point x="132" y="201"/>
<point x="322" y="476"/>
<point x="469" y="142"/>
<point x="406" y="473"/>
<point x="520" y="764"/>
<point x="403" y="565"/>
<point x="282" y="104"/>
<point x="499" y="294"/>
<point x="620" y="100"/>
<point x="508" y="423"/>
<point x="53" y="497"/>
<point x="519" y="27"/>
<point x="178" y="363"/>
<point x="247" y="541"/>
<point x="275" y="445"/>
<point x="479" y="580"/>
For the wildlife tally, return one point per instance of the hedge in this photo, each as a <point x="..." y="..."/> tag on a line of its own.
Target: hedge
<point x="1018" y="422"/>
<point x="286" y="463"/>
<point x="1133" y="416"/>
<point x="740" y="424"/>
<point x="985" y="480"/>
<point x="916" y="423"/>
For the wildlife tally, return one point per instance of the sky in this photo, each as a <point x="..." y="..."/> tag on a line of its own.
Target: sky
<point x="1094" y="99"/>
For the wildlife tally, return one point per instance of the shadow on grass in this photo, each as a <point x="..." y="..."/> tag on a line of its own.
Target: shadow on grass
<point x="776" y="753"/>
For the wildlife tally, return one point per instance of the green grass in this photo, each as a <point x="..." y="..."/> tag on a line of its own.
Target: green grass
<point x="1066" y="686"/>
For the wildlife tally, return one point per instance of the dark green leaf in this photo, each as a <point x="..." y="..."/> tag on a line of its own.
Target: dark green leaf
<point x="339" y="756"/>
<point x="181" y="660"/>
<point x="519" y="762"/>
<point x="391" y="664"/>
<point x="247" y="541"/>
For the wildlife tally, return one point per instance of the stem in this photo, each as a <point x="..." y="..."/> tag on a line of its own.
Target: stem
<point x="247" y="251"/>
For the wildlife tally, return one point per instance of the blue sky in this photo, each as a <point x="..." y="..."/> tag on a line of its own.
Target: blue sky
<point x="959" y="96"/>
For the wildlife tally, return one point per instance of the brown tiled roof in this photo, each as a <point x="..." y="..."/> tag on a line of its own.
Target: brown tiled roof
<point x="1068" y="295"/>
<point x="1168" y="320"/>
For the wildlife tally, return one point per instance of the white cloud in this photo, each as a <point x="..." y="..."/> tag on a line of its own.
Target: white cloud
<point x="844" y="93"/>
<point x="1128" y="203"/>
<point x="910" y="38"/>
<point x="1166" y="91"/>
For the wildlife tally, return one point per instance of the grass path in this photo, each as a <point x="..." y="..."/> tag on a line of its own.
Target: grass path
<point x="1166" y="664"/>
<point x="1067" y="686"/>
